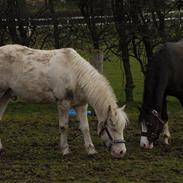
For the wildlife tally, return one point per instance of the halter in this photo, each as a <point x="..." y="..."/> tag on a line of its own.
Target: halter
<point x="155" y="114"/>
<point x="119" y="141"/>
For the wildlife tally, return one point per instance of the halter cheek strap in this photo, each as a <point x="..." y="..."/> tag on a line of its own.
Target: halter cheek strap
<point x="118" y="141"/>
<point x="155" y="114"/>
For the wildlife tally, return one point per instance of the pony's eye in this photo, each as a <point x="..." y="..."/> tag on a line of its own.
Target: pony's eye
<point x="114" y="130"/>
<point x="111" y="122"/>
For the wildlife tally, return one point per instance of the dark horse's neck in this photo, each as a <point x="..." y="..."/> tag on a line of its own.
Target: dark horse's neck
<point x="156" y="81"/>
<point x="154" y="89"/>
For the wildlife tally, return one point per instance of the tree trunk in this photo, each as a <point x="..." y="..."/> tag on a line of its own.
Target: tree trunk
<point x="23" y="34"/>
<point x="129" y="86"/>
<point x="11" y="15"/>
<point x="87" y="11"/>
<point x="120" y="12"/>
<point x="96" y="59"/>
<point x="148" y="48"/>
<point x="55" y="24"/>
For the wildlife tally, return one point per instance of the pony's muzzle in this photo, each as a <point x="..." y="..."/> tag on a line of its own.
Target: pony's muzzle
<point x="118" y="150"/>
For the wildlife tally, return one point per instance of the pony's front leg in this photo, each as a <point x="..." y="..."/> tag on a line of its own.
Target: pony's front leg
<point x="166" y="134"/>
<point x="3" y="104"/>
<point x="63" y="107"/>
<point x="84" y="127"/>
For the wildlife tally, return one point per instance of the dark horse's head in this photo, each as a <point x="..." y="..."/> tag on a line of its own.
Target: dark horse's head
<point x="150" y="114"/>
<point x="151" y="127"/>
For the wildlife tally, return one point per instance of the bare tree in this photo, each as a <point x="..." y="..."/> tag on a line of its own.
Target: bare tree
<point x="16" y="11"/>
<point x="95" y="29"/>
<point x="55" y="23"/>
<point x="121" y="19"/>
<point x="11" y="14"/>
<point x="154" y="22"/>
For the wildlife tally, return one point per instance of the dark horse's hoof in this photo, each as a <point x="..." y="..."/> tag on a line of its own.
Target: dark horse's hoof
<point x="2" y="151"/>
<point x="166" y="148"/>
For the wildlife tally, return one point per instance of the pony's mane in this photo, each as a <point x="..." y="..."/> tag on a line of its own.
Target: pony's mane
<point x="95" y="86"/>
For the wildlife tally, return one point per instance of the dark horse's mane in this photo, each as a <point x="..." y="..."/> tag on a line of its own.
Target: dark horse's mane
<point x="166" y="66"/>
<point x="152" y="76"/>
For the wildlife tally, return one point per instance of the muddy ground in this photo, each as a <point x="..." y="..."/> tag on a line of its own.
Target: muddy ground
<point x="30" y="136"/>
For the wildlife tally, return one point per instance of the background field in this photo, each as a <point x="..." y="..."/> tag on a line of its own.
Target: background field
<point x="30" y="135"/>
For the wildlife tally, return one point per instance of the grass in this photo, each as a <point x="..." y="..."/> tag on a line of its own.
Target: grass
<point x="30" y="136"/>
<point x="116" y="77"/>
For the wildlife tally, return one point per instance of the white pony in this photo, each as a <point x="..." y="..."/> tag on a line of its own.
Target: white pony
<point x="64" y="77"/>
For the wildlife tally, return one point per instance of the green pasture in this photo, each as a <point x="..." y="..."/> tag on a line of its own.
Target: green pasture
<point x="30" y="136"/>
<point x="114" y="73"/>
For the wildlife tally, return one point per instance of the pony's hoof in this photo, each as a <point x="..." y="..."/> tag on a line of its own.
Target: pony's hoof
<point x="91" y="150"/>
<point x="66" y="152"/>
<point x="167" y="148"/>
<point x="166" y="140"/>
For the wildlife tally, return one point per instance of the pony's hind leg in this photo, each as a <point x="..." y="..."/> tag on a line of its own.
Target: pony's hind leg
<point x="63" y="107"/>
<point x="84" y="127"/>
<point x="166" y="134"/>
<point x="3" y="104"/>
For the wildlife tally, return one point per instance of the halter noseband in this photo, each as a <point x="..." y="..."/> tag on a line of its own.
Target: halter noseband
<point x="155" y="114"/>
<point x="119" y="141"/>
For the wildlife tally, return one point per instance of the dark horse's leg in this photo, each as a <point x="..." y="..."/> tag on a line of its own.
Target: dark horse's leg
<point x="166" y="132"/>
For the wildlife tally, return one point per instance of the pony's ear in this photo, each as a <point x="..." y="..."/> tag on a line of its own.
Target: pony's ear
<point x="123" y="107"/>
<point x="111" y="112"/>
<point x="109" y="108"/>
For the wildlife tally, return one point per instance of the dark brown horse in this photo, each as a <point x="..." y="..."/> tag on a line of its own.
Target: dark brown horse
<point x="164" y="77"/>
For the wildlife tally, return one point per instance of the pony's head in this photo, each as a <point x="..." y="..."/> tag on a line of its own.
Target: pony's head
<point x="111" y="131"/>
<point x="151" y="125"/>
